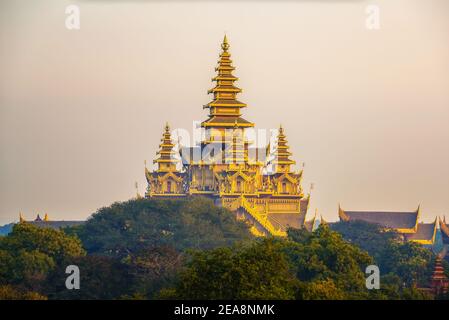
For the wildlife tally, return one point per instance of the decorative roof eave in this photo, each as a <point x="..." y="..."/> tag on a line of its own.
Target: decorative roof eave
<point x="423" y="242"/>
<point x="166" y="152"/>
<point x="444" y="229"/>
<point x="225" y="68"/>
<point x="225" y="77"/>
<point x="237" y="104"/>
<point x="281" y="153"/>
<point x="418" y="216"/>
<point x="288" y="177"/>
<point x="282" y="162"/>
<point x="342" y="215"/>
<point x="240" y="174"/>
<point x="435" y="225"/>
<point x="403" y="230"/>
<point x="171" y="175"/>
<point x="231" y="89"/>
<point x="229" y="125"/>
<point x="168" y="195"/>
<point x="166" y="160"/>
<point x="311" y="222"/>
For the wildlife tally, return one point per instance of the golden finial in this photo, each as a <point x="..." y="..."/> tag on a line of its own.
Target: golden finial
<point x="281" y="129"/>
<point x="46" y="217"/>
<point x="225" y="44"/>
<point x="167" y="127"/>
<point x="21" y="219"/>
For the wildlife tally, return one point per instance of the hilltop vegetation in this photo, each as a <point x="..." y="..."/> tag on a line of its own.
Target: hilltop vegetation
<point x="408" y="262"/>
<point x="128" y="227"/>
<point x="191" y="249"/>
<point x="28" y="254"/>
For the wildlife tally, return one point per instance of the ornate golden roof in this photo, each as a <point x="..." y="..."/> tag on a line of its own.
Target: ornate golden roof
<point x="281" y="153"/>
<point x="166" y="151"/>
<point x="224" y="109"/>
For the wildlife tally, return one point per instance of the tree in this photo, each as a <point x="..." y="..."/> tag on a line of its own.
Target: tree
<point x="256" y="271"/>
<point x="367" y="236"/>
<point x="319" y="290"/>
<point x="124" y="228"/>
<point x="28" y="253"/>
<point x="411" y="262"/>
<point x="154" y="268"/>
<point x="8" y="292"/>
<point x="100" y="278"/>
<point x="323" y="258"/>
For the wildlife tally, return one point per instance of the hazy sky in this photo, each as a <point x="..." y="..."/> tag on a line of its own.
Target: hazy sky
<point x="366" y="110"/>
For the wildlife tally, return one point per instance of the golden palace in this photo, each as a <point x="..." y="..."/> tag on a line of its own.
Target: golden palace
<point x="257" y="184"/>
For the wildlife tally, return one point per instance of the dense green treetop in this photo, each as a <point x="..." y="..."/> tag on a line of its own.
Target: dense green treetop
<point x="410" y="261"/>
<point x="259" y="270"/>
<point x="125" y="227"/>
<point x="28" y="253"/>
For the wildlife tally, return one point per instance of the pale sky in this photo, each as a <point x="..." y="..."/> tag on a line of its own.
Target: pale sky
<point x="366" y="110"/>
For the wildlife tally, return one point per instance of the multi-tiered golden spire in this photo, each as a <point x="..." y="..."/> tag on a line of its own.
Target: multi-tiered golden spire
<point x="282" y="154"/>
<point x="225" y="108"/>
<point x="166" y="160"/>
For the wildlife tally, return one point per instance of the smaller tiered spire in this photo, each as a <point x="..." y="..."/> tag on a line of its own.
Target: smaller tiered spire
<point x="166" y="160"/>
<point x="282" y="154"/>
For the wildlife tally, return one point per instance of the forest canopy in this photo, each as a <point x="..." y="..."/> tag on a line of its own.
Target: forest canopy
<point x="192" y="249"/>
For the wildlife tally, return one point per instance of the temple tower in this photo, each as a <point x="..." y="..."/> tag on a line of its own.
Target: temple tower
<point x="166" y="180"/>
<point x="228" y="168"/>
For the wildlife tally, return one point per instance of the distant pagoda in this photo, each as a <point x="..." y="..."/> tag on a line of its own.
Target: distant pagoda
<point x="439" y="281"/>
<point x="257" y="185"/>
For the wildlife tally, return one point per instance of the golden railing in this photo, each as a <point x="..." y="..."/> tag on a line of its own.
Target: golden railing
<point x="261" y="219"/>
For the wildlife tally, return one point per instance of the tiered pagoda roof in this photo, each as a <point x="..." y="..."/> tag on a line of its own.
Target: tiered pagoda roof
<point x="439" y="281"/>
<point x="281" y="153"/>
<point x="224" y="109"/>
<point x="166" y="151"/>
